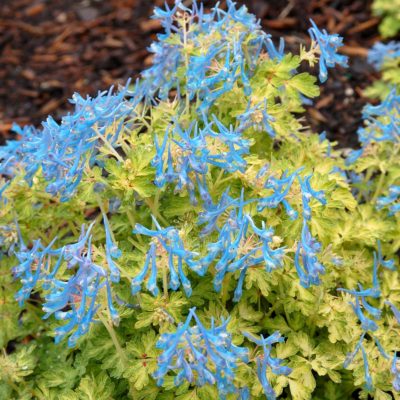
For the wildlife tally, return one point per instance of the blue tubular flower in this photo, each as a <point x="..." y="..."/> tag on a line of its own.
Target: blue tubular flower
<point x="392" y="200"/>
<point x="256" y="116"/>
<point x="375" y="312"/>
<point x="373" y="292"/>
<point x="265" y="360"/>
<point x="212" y="212"/>
<point x="368" y="380"/>
<point x="379" y="129"/>
<point x="78" y="292"/>
<point x="185" y="156"/>
<point x="198" y="67"/>
<point x="239" y="288"/>
<point x="395" y="310"/>
<point x="395" y="370"/>
<point x="350" y="356"/>
<point x="237" y="249"/>
<point x="368" y="325"/>
<point x="272" y="258"/>
<point x="353" y="156"/>
<point x="199" y="355"/>
<point x="328" y="46"/>
<point x="167" y="17"/>
<point x="171" y="249"/>
<point x="113" y="312"/>
<point x="62" y="150"/>
<point x="139" y="279"/>
<point x="281" y="189"/>
<point x="271" y="49"/>
<point x="158" y="162"/>
<point x="242" y="15"/>
<point x="112" y="251"/>
<point x="306" y="262"/>
<point x="381" y="52"/>
<point x="307" y="194"/>
<point x="380" y="348"/>
<point x="31" y="265"/>
<point x="160" y="78"/>
<point x="388" y="264"/>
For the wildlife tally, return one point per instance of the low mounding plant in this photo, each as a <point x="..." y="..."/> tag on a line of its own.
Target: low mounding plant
<point x="188" y="237"/>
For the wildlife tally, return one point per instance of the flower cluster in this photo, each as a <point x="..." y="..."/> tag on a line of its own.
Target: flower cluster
<point x="395" y="370"/>
<point x="328" y="46"/>
<point x="200" y="355"/>
<point x="61" y="151"/>
<point x="381" y="52"/>
<point x="306" y="262"/>
<point x="29" y="269"/>
<point x="369" y="325"/>
<point x="171" y="248"/>
<point x="73" y="298"/>
<point x="391" y="201"/>
<point x="184" y="156"/>
<point x="265" y="360"/>
<point x="382" y="124"/>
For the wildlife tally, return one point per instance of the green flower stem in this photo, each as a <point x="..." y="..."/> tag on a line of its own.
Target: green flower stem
<point x="109" y="146"/>
<point x="114" y="338"/>
<point x="165" y="282"/>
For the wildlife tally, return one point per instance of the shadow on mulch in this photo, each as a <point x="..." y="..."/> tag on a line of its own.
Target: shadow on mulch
<point x="49" y="50"/>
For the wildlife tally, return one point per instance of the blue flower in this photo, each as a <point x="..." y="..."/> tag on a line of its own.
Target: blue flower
<point x="390" y="103"/>
<point x="74" y="298"/>
<point x="350" y="357"/>
<point x="373" y="292"/>
<point x="275" y="54"/>
<point x="328" y="46"/>
<point x="307" y="194"/>
<point x="306" y="262"/>
<point x="388" y="264"/>
<point x="273" y="259"/>
<point x="30" y="269"/>
<point x="256" y="116"/>
<point x="381" y="52"/>
<point x="200" y="355"/>
<point x="280" y="188"/>
<point x="265" y="360"/>
<point x="353" y="156"/>
<point x="62" y="150"/>
<point x="367" y="324"/>
<point x="171" y="248"/>
<point x="395" y="370"/>
<point x="391" y="200"/>
<point x="395" y="310"/>
<point x="112" y="252"/>
<point x="368" y="380"/>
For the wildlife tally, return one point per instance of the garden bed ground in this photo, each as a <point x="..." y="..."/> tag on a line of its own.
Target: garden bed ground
<point x="50" y="49"/>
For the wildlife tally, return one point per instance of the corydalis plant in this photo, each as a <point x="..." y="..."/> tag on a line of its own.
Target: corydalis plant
<point x="180" y="228"/>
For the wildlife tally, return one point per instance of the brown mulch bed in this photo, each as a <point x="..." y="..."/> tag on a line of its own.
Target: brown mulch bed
<point x="50" y="49"/>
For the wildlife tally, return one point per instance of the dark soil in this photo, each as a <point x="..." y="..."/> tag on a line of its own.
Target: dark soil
<point x="51" y="48"/>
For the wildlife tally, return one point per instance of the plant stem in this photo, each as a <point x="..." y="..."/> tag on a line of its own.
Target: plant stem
<point x="114" y="339"/>
<point x="165" y="282"/>
<point x="186" y="64"/>
<point x="109" y="146"/>
<point x="379" y="187"/>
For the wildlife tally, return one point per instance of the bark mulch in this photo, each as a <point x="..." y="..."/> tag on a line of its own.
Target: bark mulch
<point x="51" y="48"/>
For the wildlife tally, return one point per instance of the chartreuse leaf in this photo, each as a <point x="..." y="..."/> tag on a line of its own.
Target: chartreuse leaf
<point x="98" y="387"/>
<point x="305" y="84"/>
